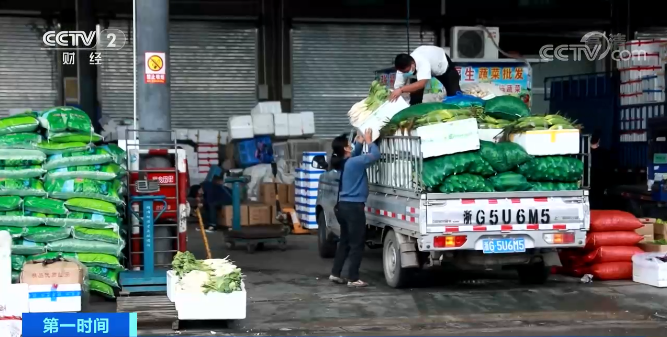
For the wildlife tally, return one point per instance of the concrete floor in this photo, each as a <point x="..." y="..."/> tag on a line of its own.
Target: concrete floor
<point x="288" y="294"/>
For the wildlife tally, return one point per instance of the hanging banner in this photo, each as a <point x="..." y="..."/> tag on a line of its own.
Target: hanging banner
<point x="156" y="68"/>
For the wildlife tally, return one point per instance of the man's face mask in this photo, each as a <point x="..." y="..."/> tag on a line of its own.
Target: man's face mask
<point x="409" y="73"/>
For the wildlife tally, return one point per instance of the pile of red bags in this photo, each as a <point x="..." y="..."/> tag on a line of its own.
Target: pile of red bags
<point x="610" y="245"/>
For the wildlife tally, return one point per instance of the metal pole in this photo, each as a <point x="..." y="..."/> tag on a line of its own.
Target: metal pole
<point x="152" y="35"/>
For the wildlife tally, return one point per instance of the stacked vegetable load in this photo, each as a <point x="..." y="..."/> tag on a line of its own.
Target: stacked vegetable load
<point x="360" y="111"/>
<point x="204" y="276"/>
<point x="504" y="166"/>
<point x="59" y="193"/>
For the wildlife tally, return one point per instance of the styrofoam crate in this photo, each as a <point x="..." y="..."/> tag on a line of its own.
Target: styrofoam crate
<point x="305" y="191"/>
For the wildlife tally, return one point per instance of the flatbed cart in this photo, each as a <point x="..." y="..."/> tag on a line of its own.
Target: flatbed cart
<point x="253" y="236"/>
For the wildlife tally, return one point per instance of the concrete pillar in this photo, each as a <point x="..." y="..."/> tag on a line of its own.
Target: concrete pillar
<point x="153" y="106"/>
<point x="87" y="72"/>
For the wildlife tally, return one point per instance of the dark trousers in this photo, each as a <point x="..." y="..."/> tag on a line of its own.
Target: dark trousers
<point x="352" y="220"/>
<point x="212" y="209"/>
<point x="450" y="80"/>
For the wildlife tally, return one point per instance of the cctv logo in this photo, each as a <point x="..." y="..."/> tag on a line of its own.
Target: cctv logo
<point x="108" y="39"/>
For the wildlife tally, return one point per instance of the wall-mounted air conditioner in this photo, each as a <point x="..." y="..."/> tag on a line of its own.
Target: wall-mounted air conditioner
<point x="474" y="42"/>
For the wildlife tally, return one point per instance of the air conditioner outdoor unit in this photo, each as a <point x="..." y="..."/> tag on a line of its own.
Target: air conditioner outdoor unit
<point x="474" y="43"/>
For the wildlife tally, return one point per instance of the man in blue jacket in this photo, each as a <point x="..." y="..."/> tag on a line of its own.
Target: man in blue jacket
<point x="216" y="196"/>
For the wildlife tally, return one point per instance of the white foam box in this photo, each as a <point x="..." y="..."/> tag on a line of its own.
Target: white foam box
<point x="307" y="123"/>
<point x="294" y="124"/>
<point x="548" y="142"/>
<point x="181" y="134"/>
<point x="262" y="124"/>
<point x="305" y="192"/>
<point x="380" y="116"/>
<point x="240" y="127"/>
<point x="14" y="300"/>
<point x="210" y="136"/>
<point x="271" y="107"/>
<point x="172" y="279"/>
<point x="490" y="135"/>
<point x="281" y="125"/>
<point x="307" y="182"/>
<point x="11" y="327"/>
<point x="198" y="306"/>
<point x="647" y="269"/>
<point x="307" y="217"/>
<point x="47" y="298"/>
<point x="448" y="138"/>
<point x="207" y="155"/>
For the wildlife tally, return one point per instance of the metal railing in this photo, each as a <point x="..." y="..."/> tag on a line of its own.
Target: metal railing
<point x="400" y="165"/>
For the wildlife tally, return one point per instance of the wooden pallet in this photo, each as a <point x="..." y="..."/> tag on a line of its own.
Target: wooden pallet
<point x="150" y="310"/>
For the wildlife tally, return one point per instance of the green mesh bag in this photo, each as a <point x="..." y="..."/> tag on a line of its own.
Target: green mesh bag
<point x="66" y="118"/>
<point x="503" y="156"/>
<point x="506" y="107"/>
<point x="22" y="187"/>
<point x="44" y="205"/>
<point x="510" y="182"/>
<point x="435" y="170"/>
<point x="465" y="182"/>
<point x="104" y="275"/>
<point x="552" y="168"/>
<point x="554" y="186"/>
<point x="18" y="124"/>
<point x="85" y="188"/>
<point x="21" y="157"/>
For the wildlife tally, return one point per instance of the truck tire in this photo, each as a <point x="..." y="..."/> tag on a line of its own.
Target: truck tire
<point x="532" y="274"/>
<point x="326" y="247"/>
<point x="395" y="276"/>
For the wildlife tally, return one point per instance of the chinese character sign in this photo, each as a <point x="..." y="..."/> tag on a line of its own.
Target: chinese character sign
<point x="510" y="78"/>
<point x="80" y="324"/>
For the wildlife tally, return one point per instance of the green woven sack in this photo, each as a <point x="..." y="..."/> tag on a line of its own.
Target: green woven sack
<point x="21" y="157"/>
<point x="18" y="123"/>
<point x="56" y="148"/>
<point x="65" y="118"/>
<point x="85" y="188"/>
<point x="96" y="234"/>
<point x="88" y="259"/>
<point x="73" y="137"/>
<point x="14" y="232"/>
<point x="102" y="289"/>
<point x="465" y="182"/>
<point x="10" y="203"/>
<point x="20" y="141"/>
<point x="91" y="206"/>
<point x="26" y="247"/>
<point x="510" y="182"/>
<point x="83" y="246"/>
<point x="552" y="168"/>
<point x="21" y="172"/>
<point x="45" y="234"/>
<point x="21" y="218"/>
<point x="506" y="107"/>
<point x="22" y="187"/>
<point x="93" y="156"/>
<point x="45" y="205"/>
<point x="96" y="172"/>
<point x="104" y="275"/>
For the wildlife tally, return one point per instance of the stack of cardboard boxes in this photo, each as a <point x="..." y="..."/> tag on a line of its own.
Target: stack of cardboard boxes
<point x="654" y="232"/>
<point x="264" y="211"/>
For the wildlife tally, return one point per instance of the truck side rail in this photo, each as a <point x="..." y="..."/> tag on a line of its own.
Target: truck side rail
<point x="400" y="165"/>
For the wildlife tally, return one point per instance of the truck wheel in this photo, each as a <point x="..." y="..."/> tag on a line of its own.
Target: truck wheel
<point x="535" y="273"/>
<point x="396" y="276"/>
<point x="326" y="247"/>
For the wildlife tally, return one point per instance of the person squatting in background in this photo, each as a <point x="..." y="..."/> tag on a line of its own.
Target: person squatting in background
<point x="351" y="203"/>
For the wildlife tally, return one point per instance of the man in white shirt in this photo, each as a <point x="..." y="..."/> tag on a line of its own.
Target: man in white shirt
<point x="425" y="62"/>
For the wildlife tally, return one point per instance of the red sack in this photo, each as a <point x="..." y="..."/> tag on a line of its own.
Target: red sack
<point x="571" y="258"/>
<point x="612" y="271"/>
<point x="601" y="239"/>
<point x="612" y="254"/>
<point x="609" y="221"/>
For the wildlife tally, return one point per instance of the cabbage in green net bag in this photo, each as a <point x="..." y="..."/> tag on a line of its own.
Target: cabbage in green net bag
<point x="553" y="168"/>
<point x="554" y="186"/>
<point x="14" y="232"/>
<point x="91" y="206"/>
<point x="85" y="188"/>
<point x="465" y="183"/>
<point x="20" y="141"/>
<point x="46" y="234"/>
<point x="102" y="289"/>
<point x="21" y="172"/>
<point x="104" y="275"/>
<point x="21" y="157"/>
<point x="83" y="246"/>
<point x="19" y="218"/>
<point x="44" y="205"/>
<point x="506" y="107"/>
<point x="65" y="118"/>
<point x="73" y="137"/>
<point x="58" y="148"/>
<point x="435" y="170"/>
<point x="26" y="247"/>
<point x="17" y="262"/>
<point x="510" y="182"/>
<point x="93" y="156"/>
<point x="22" y="187"/>
<point x="10" y="203"/>
<point x="504" y="156"/>
<point x="18" y="123"/>
<point x="96" y="234"/>
<point x="97" y="172"/>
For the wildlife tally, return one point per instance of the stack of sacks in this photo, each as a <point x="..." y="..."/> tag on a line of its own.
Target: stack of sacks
<point x="59" y="193"/>
<point x="553" y="173"/>
<point x="610" y="245"/>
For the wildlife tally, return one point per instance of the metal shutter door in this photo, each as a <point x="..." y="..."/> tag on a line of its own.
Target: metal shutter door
<point x="213" y="73"/>
<point x="333" y="66"/>
<point x="27" y="73"/>
<point x="115" y="76"/>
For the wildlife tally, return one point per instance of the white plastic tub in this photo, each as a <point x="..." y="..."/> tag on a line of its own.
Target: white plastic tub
<point x="647" y="269"/>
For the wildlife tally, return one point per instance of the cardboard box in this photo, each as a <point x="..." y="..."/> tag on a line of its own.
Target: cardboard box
<point x="54" y="298"/>
<point x="646" y="229"/>
<point x="283" y="193"/>
<point x="648" y="238"/>
<point x="647" y="220"/>
<point x="227" y="212"/>
<point x="61" y="272"/>
<point x="660" y="231"/>
<point x="653" y="248"/>
<point x="259" y="214"/>
<point x="267" y="193"/>
<point x="291" y="194"/>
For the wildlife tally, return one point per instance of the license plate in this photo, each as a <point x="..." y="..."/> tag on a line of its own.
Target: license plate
<point x="499" y="246"/>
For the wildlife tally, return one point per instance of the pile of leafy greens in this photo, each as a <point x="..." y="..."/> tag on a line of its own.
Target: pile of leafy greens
<point x="213" y="275"/>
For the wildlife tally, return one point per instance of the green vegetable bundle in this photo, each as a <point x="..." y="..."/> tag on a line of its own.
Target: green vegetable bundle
<point x="510" y="182"/>
<point x="377" y="95"/>
<point x="504" y="156"/>
<point x="552" y="168"/>
<point x="553" y="186"/>
<point x="436" y="170"/>
<point x="465" y="182"/>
